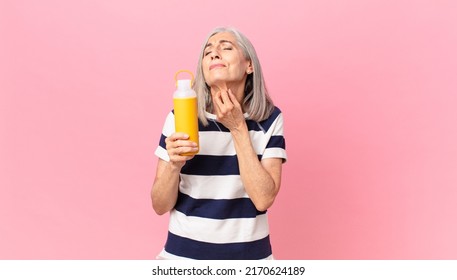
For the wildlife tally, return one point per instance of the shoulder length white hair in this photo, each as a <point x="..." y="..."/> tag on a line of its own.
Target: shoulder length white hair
<point x="257" y="102"/>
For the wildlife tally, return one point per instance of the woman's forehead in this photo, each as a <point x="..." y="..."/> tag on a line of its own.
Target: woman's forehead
<point x="222" y="37"/>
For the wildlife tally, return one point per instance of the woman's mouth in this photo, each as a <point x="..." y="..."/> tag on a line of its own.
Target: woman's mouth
<point x="214" y="66"/>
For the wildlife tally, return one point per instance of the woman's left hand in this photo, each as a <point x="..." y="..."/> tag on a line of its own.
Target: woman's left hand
<point x="228" y="110"/>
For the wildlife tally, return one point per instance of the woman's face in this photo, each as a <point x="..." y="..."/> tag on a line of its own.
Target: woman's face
<point x="224" y="64"/>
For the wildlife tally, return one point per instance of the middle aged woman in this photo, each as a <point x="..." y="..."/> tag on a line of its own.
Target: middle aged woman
<point x="218" y="199"/>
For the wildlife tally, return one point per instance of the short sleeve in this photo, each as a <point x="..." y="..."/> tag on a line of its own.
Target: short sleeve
<point x="167" y="130"/>
<point x="276" y="146"/>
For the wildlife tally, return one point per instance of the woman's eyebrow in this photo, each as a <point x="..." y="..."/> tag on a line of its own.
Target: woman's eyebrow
<point x="220" y="42"/>
<point x="225" y="41"/>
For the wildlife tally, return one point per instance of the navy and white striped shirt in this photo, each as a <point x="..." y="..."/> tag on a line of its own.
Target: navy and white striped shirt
<point x="214" y="218"/>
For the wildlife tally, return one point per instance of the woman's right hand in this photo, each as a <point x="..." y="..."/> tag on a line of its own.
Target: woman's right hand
<point x="176" y="145"/>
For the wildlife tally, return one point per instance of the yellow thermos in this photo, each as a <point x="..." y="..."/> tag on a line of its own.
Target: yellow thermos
<point x="185" y="109"/>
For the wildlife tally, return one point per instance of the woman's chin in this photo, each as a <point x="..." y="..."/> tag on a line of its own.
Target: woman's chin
<point x="219" y="85"/>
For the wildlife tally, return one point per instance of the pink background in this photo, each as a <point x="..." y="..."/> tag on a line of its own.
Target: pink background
<point x="369" y="95"/>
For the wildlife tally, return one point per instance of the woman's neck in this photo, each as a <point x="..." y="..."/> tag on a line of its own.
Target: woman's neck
<point x="236" y="89"/>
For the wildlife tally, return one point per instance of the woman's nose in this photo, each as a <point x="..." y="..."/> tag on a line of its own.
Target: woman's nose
<point x="215" y="54"/>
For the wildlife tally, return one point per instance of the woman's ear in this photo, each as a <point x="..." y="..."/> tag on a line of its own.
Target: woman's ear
<point x="249" y="69"/>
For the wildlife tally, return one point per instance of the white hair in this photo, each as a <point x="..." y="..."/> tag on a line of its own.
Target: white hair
<point x="257" y="103"/>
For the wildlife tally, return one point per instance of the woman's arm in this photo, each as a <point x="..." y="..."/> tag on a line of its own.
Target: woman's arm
<point x="164" y="191"/>
<point x="165" y="188"/>
<point x="261" y="180"/>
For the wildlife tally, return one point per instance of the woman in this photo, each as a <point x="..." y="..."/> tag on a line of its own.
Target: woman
<point x="218" y="199"/>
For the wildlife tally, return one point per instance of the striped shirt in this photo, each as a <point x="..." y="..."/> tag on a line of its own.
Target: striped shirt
<point x="214" y="218"/>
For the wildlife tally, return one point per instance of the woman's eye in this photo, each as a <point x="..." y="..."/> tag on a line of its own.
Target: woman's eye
<point x="207" y="53"/>
<point x="227" y="48"/>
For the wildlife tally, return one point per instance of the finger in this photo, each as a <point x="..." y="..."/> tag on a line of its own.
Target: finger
<point x="216" y="94"/>
<point x="226" y="99"/>
<point x="224" y="103"/>
<point x="177" y="140"/>
<point x="177" y="154"/>
<point x="171" y="146"/>
<point x="217" y="102"/>
<point x="179" y="151"/>
<point x="233" y="98"/>
<point x="178" y="136"/>
<point x="174" y="140"/>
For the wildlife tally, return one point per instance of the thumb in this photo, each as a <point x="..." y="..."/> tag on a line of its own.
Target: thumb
<point x="215" y="98"/>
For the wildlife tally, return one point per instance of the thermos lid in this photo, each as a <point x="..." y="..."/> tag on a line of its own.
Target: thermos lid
<point x="184" y="84"/>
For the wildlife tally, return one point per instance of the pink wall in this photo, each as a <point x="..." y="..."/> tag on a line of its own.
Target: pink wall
<point x="368" y="90"/>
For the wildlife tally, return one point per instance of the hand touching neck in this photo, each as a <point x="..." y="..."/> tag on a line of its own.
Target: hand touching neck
<point x="237" y="90"/>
